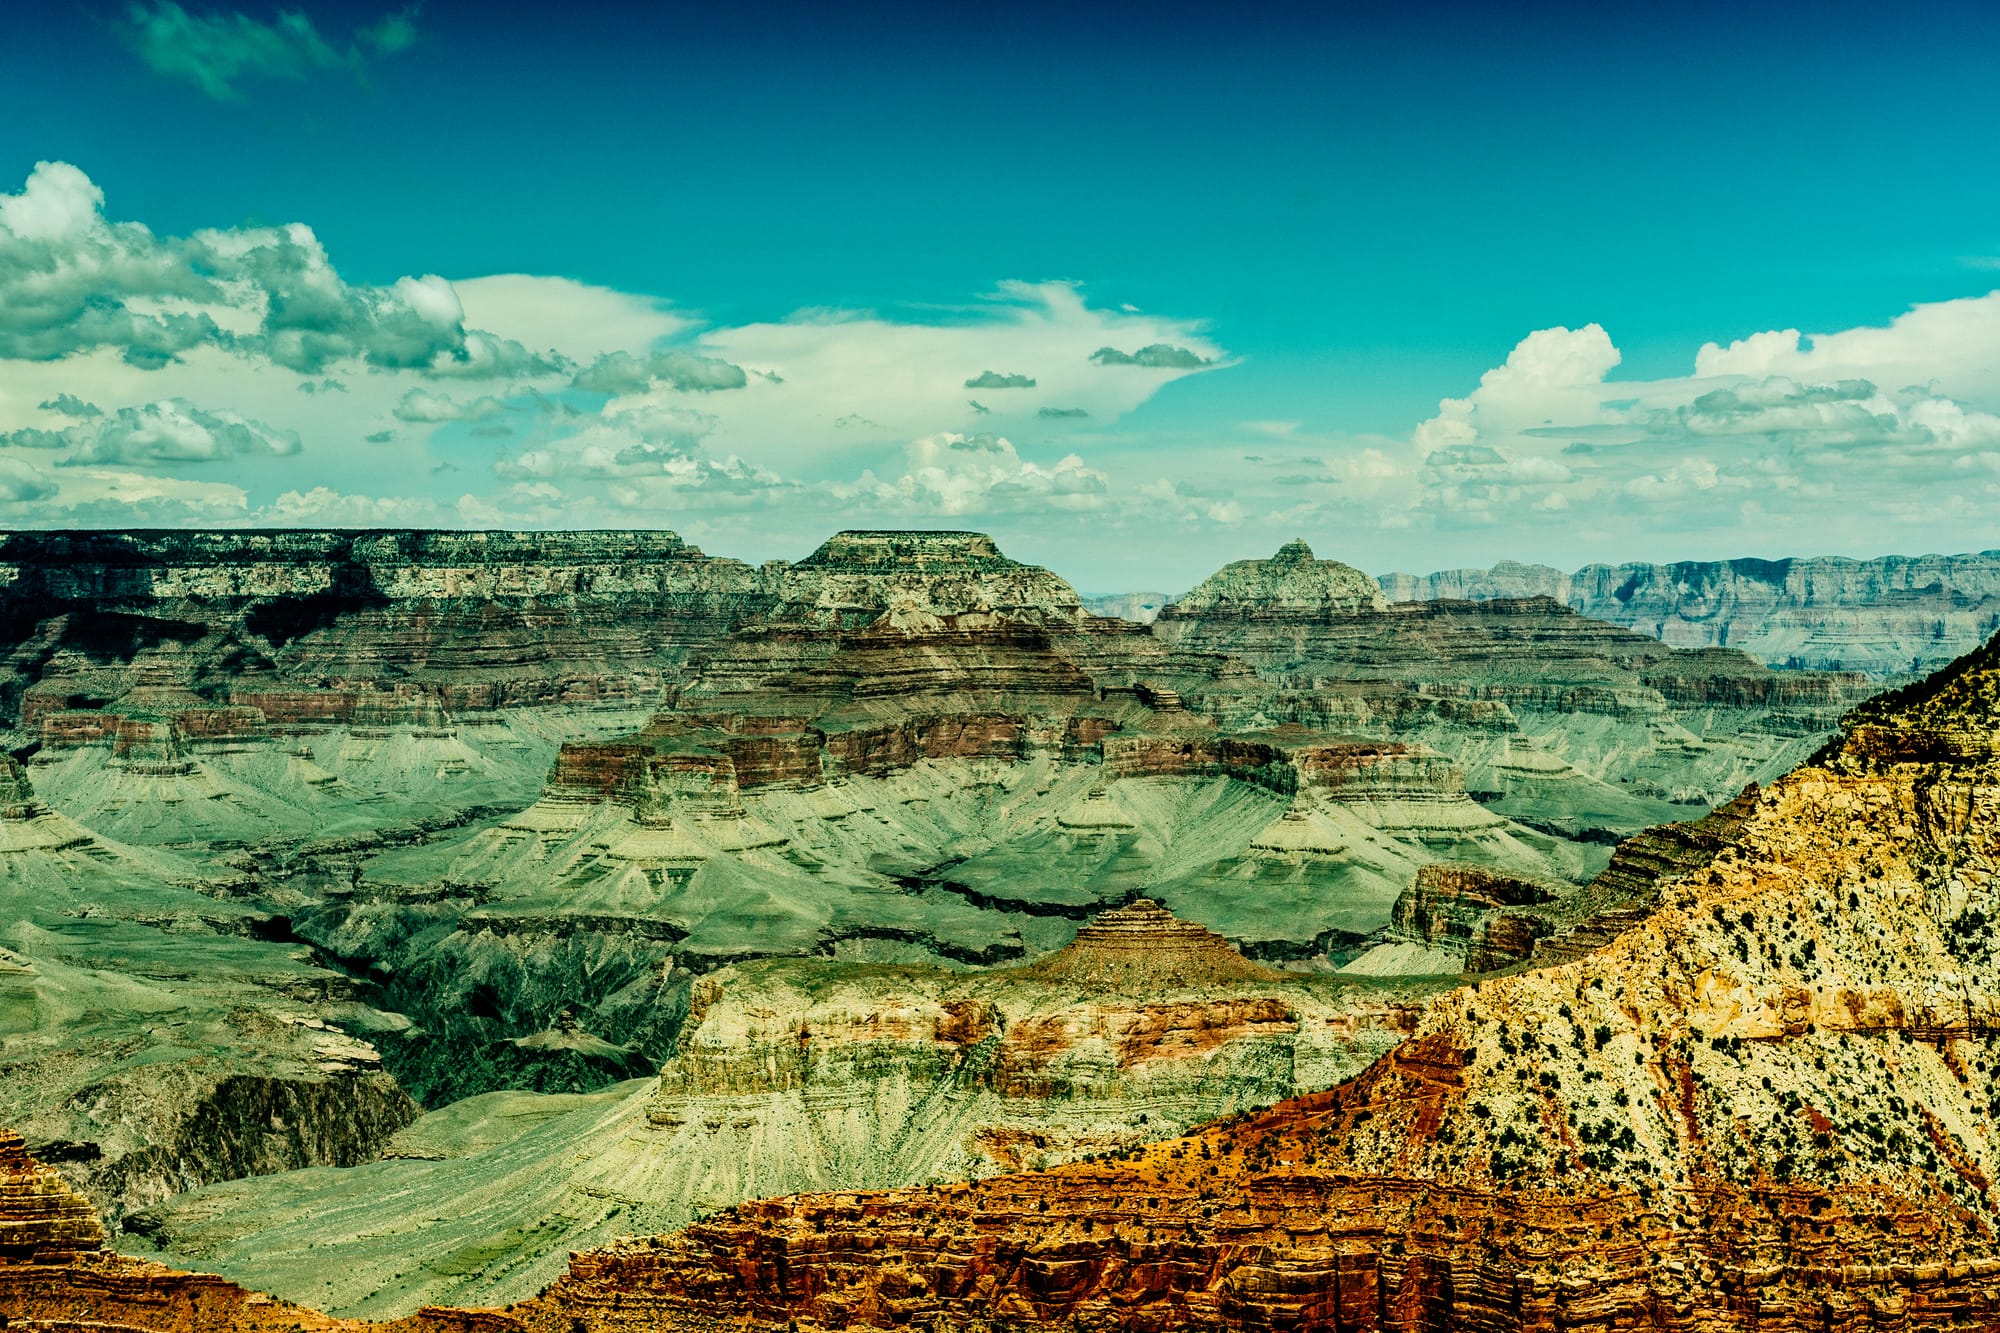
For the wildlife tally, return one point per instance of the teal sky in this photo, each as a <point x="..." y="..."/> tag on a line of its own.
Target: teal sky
<point x="769" y="247"/>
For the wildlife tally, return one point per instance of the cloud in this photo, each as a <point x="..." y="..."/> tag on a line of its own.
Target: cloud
<point x="422" y="405"/>
<point x="1184" y="502"/>
<point x="897" y="380"/>
<point x="22" y="481"/>
<point x="218" y="52"/>
<point x="170" y="431"/>
<point x="1156" y="356"/>
<point x="629" y="440"/>
<point x="322" y="506"/>
<point x="69" y="405"/>
<point x="1552" y="374"/>
<point x="689" y="372"/>
<point x="1780" y="432"/>
<point x="72" y="281"/>
<point x="557" y="401"/>
<point x="1949" y="347"/>
<point x="959" y="475"/>
<point x="990" y="379"/>
<point x="581" y="320"/>
<point x="109" y="497"/>
<point x="393" y="34"/>
<point x="681" y="483"/>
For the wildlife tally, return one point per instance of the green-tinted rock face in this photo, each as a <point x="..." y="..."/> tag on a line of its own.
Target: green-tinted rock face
<point x="313" y="831"/>
<point x="1291" y="582"/>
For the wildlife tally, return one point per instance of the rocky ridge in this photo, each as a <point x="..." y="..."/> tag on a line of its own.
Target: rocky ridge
<point x="1889" y="617"/>
<point x="800" y="1075"/>
<point x="1764" y="1105"/>
<point x="1559" y="721"/>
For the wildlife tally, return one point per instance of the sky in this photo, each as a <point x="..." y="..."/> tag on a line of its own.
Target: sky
<point x="1137" y="289"/>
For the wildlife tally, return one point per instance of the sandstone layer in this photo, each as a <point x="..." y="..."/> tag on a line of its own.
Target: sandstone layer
<point x="1763" y="1105"/>
<point x="796" y="1075"/>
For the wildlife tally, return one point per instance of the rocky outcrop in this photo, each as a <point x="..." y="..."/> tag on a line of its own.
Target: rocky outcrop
<point x="194" y="1131"/>
<point x="1291" y="585"/>
<point x="1888" y="617"/>
<point x="1569" y="724"/>
<point x="40" y="1215"/>
<point x="1471" y="908"/>
<point x="1141" y="947"/>
<point x="1762" y="1105"/>
<point x="323" y="624"/>
<point x="806" y="1075"/>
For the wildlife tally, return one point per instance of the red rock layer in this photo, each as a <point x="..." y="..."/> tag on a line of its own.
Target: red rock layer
<point x="1765" y="1105"/>
<point x="39" y="1213"/>
<point x="1144" y="947"/>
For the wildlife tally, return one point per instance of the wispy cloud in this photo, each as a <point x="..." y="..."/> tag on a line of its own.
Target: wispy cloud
<point x="220" y="51"/>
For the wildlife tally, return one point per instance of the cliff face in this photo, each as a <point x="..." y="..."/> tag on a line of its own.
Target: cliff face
<point x="794" y="1075"/>
<point x="1893" y="616"/>
<point x="1571" y="725"/>
<point x="333" y="625"/>
<point x="40" y="1215"/>
<point x="1763" y="1105"/>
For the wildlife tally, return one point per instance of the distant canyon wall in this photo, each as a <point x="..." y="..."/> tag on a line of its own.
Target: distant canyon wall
<point x="1893" y="616"/>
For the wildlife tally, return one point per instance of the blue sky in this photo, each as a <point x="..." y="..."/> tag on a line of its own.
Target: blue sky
<point x="1338" y="219"/>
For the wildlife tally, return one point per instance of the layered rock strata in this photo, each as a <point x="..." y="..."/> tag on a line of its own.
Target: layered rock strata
<point x="1763" y="1106"/>
<point x="1888" y="617"/>
<point x="798" y="1075"/>
<point x="338" y="625"/>
<point x="41" y="1217"/>
<point x="1570" y="724"/>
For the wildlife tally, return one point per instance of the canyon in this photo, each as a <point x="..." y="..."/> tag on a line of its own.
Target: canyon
<point x="398" y="913"/>
<point x="1763" y="1104"/>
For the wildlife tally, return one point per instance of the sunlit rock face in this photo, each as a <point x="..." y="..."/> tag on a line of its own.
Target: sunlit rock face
<point x="1760" y="1102"/>
<point x="805" y="1075"/>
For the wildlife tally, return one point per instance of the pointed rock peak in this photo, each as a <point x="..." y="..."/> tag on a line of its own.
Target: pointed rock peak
<point x="39" y="1212"/>
<point x="1144" y="947"/>
<point x="1293" y="581"/>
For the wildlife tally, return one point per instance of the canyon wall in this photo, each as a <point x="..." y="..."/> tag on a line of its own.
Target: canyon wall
<point x="1893" y="616"/>
<point x="1763" y="1104"/>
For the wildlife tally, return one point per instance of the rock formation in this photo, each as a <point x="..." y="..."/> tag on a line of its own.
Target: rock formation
<point x="308" y="825"/>
<point x="803" y="1074"/>
<point x="1894" y="616"/>
<point x="1563" y="722"/>
<point x="1142" y="947"/>
<point x="920" y="751"/>
<point x="41" y="1217"/>
<point x="318" y="622"/>
<point x="1763" y="1105"/>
